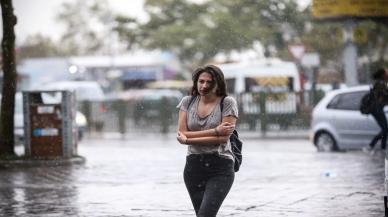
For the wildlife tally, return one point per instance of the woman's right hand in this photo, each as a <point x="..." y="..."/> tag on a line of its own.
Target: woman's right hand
<point x="225" y="129"/>
<point x="182" y="139"/>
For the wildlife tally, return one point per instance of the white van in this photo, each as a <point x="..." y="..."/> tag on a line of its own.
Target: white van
<point x="279" y="79"/>
<point x="265" y="75"/>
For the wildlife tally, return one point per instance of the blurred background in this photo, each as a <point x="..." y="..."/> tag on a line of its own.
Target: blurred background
<point x="130" y="62"/>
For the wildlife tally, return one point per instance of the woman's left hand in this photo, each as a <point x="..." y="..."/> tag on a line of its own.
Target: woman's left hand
<point x="225" y="129"/>
<point x="182" y="138"/>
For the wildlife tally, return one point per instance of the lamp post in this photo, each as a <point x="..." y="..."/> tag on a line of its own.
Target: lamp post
<point x="349" y="57"/>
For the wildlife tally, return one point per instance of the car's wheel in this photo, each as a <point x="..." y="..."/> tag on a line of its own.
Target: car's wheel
<point x="325" y="142"/>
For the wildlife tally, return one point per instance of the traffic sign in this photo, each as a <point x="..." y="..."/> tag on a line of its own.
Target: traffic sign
<point x="310" y="60"/>
<point x="297" y="50"/>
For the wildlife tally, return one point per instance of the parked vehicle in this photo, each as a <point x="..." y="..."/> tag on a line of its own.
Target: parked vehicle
<point x="90" y="99"/>
<point x="337" y="123"/>
<point x="279" y="79"/>
<point x="84" y="90"/>
<point x="147" y="102"/>
<point x="19" y="118"/>
<point x="266" y="75"/>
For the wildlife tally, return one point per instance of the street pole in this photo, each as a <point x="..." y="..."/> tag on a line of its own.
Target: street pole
<point x="350" y="55"/>
<point x="314" y="73"/>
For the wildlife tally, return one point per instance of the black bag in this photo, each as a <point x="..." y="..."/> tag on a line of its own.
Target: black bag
<point x="235" y="143"/>
<point x="367" y="103"/>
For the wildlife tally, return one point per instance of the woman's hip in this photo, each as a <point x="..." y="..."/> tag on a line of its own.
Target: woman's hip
<point x="208" y="164"/>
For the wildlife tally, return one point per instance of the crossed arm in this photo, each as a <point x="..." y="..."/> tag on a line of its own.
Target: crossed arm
<point x="220" y="134"/>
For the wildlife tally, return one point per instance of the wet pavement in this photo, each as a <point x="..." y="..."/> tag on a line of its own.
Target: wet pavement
<point x="142" y="176"/>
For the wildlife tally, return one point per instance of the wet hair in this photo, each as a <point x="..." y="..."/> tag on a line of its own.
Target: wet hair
<point x="217" y="76"/>
<point x="379" y="74"/>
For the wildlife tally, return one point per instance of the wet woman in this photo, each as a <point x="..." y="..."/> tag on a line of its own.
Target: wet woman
<point x="205" y="128"/>
<point x="380" y="96"/>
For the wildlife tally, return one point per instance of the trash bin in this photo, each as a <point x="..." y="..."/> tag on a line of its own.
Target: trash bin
<point x="49" y="123"/>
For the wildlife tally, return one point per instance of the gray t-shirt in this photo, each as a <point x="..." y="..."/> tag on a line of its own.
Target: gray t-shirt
<point x="196" y="123"/>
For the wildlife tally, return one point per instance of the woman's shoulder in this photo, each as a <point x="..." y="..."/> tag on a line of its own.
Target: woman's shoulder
<point x="186" y="98"/>
<point x="229" y="100"/>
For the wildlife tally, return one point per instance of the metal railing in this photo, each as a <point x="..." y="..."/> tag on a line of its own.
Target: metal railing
<point x="262" y="112"/>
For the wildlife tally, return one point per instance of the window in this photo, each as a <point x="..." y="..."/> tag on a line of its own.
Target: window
<point x="347" y="101"/>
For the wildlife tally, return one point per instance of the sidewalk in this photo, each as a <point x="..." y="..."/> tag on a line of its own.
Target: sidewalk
<point x="142" y="176"/>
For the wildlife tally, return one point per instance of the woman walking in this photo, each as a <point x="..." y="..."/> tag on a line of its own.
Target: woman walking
<point x="206" y="127"/>
<point x="380" y="96"/>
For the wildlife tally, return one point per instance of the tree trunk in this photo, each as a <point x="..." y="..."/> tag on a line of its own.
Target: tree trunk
<point x="9" y="79"/>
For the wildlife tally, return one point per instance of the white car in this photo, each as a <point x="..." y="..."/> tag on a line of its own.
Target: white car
<point x="84" y="90"/>
<point x="90" y="99"/>
<point x="337" y="123"/>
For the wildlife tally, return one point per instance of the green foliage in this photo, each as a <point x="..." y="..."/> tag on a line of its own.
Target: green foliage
<point x="197" y="32"/>
<point x="38" y="46"/>
<point x="375" y="45"/>
<point x="325" y="39"/>
<point x="84" y="21"/>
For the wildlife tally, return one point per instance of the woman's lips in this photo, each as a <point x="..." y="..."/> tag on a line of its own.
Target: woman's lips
<point x="205" y="91"/>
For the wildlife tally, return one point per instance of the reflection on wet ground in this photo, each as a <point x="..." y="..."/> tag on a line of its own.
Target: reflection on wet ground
<point x="143" y="177"/>
<point x="38" y="191"/>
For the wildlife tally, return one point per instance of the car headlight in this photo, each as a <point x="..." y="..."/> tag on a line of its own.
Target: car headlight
<point x="80" y="119"/>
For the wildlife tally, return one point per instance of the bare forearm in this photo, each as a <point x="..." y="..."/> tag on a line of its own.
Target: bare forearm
<point x="202" y="133"/>
<point x="208" y="140"/>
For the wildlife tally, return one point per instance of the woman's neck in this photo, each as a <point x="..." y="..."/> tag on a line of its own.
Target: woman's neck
<point x="208" y="98"/>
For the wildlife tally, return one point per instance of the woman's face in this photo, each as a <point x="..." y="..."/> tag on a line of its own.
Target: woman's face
<point x="205" y="84"/>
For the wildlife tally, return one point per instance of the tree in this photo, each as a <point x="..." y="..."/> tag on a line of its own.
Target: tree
<point x="196" y="32"/>
<point x="373" y="43"/>
<point x="36" y="46"/>
<point x="89" y="26"/>
<point x="317" y="38"/>
<point x="327" y="39"/>
<point x="9" y="80"/>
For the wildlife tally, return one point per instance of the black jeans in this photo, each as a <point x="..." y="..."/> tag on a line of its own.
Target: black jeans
<point x="380" y="118"/>
<point x="208" y="179"/>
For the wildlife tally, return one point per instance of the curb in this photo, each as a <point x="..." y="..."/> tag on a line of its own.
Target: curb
<point x="51" y="162"/>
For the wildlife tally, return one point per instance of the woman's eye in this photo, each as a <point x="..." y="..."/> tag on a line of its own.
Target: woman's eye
<point x="207" y="82"/>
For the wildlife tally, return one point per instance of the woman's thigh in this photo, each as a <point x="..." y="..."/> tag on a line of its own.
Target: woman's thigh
<point x="216" y="190"/>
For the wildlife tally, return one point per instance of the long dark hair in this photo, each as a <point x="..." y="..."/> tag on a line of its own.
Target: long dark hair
<point x="217" y="76"/>
<point x="379" y="74"/>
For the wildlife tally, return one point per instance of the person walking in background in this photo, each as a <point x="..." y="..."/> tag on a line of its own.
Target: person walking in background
<point x="380" y="96"/>
<point x="206" y="128"/>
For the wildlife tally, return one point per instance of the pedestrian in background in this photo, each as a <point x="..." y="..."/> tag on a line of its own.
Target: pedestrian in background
<point x="205" y="128"/>
<point x="380" y="96"/>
